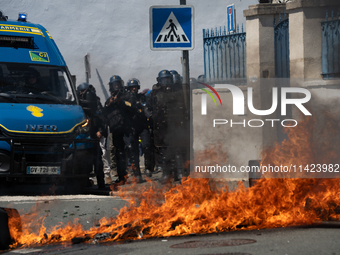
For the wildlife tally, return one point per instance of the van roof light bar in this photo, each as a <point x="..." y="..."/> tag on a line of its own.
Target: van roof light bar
<point x="22" y="17"/>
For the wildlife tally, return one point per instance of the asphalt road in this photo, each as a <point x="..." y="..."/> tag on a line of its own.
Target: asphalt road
<point x="323" y="239"/>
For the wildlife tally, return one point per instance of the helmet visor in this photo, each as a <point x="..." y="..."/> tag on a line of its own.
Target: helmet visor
<point x="165" y="80"/>
<point x="116" y="85"/>
<point x="177" y="79"/>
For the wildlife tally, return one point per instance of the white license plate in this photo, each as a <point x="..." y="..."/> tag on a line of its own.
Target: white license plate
<point x="43" y="170"/>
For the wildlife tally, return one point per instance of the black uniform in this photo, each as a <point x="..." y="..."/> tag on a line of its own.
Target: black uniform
<point x="142" y="127"/>
<point x="120" y="114"/>
<point x="115" y="110"/>
<point x="171" y="127"/>
<point x="93" y="109"/>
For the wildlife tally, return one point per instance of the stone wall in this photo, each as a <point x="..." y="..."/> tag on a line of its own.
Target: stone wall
<point x="304" y="37"/>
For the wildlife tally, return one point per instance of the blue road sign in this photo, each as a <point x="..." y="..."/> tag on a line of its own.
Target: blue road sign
<point x="230" y="18"/>
<point x="172" y="27"/>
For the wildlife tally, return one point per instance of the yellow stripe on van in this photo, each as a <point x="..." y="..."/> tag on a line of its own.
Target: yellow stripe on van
<point x="20" y="29"/>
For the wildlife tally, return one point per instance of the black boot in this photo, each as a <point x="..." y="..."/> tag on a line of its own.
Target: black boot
<point x="120" y="181"/>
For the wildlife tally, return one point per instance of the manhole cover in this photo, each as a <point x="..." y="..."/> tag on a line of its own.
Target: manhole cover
<point x="211" y="244"/>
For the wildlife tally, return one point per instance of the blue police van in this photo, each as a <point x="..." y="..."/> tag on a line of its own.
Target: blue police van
<point x="43" y="129"/>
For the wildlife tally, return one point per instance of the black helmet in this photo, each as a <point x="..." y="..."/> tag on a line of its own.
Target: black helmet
<point x="173" y="72"/>
<point x="165" y="77"/>
<point x="87" y="96"/>
<point x="133" y="83"/>
<point x="194" y="84"/>
<point x="116" y="83"/>
<point x="177" y="79"/>
<point x="82" y="86"/>
<point x="201" y="78"/>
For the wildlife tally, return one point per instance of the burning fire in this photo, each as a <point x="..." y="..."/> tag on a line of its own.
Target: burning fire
<point x="200" y="206"/>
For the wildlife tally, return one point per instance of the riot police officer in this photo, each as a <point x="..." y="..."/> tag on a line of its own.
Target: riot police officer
<point x="182" y="152"/>
<point x="119" y="112"/>
<point x="141" y="124"/>
<point x="171" y="124"/>
<point x="88" y="100"/>
<point x="131" y="138"/>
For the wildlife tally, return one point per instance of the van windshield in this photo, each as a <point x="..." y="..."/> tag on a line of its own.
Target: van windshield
<point x="27" y="83"/>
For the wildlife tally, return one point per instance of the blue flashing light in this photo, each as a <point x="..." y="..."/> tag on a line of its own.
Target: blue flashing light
<point x="22" y="17"/>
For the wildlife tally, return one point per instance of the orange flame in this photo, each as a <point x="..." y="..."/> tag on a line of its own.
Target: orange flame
<point x="202" y="206"/>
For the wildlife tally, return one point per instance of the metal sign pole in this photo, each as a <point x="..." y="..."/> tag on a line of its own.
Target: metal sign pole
<point x="185" y="72"/>
<point x="187" y="94"/>
<point x="185" y="59"/>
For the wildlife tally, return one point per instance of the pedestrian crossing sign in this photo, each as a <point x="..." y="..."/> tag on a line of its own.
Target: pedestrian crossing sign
<point x="172" y="27"/>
